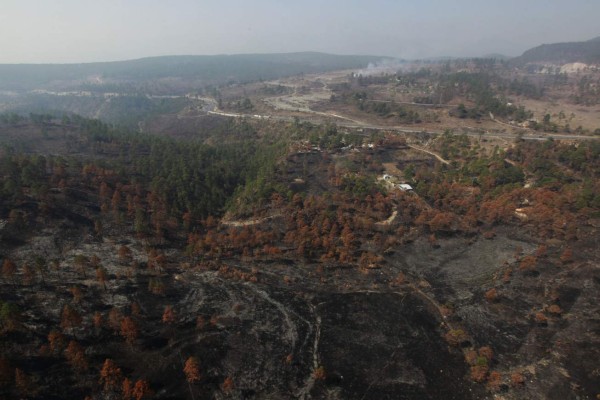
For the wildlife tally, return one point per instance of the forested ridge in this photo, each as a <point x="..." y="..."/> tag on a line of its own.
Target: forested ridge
<point x="204" y="70"/>
<point x="160" y="179"/>
<point x="142" y="226"/>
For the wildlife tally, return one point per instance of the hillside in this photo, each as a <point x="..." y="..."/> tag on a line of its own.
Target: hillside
<point x="203" y="70"/>
<point x="586" y="52"/>
<point x="268" y="259"/>
<point x="129" y="92"/>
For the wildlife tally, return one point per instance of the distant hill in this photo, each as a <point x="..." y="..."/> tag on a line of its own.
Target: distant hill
<point x="585" y="52"/>
<point x="198" y="69"/>
<point x="497" y="56"/>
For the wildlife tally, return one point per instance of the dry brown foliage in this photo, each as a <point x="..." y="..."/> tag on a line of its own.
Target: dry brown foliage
<point x="75" y="355"/>
<point x="110" y="375"/>
<point x="319" y="373"/>
<point x="129" y="330"/>
<point x="169" y="316"/>
<point x="141" y="389"/>
<point x="491" y="295"/>
<point x="479" y="373"/>
<point x="540" y="318"/>
<point x="528" y="263"/>
<point x="554" y="309"/>
<point x="494" y="380"/>
<point x="487" y="352"/>
<point x="566" y="256"/>
<point x="191" y="369"/>
<point x="517" y="379"/>
<point x="471" y="357"/>
<point x="227" y="385"/>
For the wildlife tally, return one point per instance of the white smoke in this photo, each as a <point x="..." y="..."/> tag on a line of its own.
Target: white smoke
<point x="395" y="66"/>
<point x="385" y="66"/>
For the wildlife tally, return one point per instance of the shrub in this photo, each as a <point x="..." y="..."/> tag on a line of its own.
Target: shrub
<point x="471" y="357"/>
<point x="528" y="263"/>
<point x="494" y="380"/>
<point x="319" y="374"/>
<point x="479" y="372"/>
<point x="567" y="256"/>
<point x="227" y="385"/>
<point x="191" y="369"/>
<point x="487" y="352"/>
<point x="517" y="379"/>
<point x="482" y="361"/>
<point x="540" y="318"/>
<point x="554" y="309"/>
<point x="456" y="336"/>
<point x="491" y="295"/>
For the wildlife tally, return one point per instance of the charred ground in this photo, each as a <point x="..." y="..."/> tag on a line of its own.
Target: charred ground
<point x="280" y="257"/>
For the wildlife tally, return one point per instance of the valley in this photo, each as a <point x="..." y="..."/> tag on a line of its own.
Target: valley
<point x="425" y="232"/>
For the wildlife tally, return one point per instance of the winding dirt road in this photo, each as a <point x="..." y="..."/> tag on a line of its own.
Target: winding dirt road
<point x="436" y="155"/>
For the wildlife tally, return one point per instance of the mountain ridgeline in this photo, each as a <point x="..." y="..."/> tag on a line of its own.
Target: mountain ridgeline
<point x="586" y="52"/>
<point x="425" y="232"/>
<point x="202" y="70"/>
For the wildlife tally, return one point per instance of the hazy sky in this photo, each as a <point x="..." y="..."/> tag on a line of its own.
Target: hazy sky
<point x="36" y="31"/>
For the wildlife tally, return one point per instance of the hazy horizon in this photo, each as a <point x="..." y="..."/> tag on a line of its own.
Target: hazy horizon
<point x="84" y="31"/>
